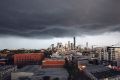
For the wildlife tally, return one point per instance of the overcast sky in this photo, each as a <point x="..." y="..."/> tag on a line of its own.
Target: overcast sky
<point x="39" y="23"/>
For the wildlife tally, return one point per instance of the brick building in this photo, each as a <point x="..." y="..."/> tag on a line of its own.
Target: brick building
<point x="28" y="58"/>
<point x="53" y="63"/>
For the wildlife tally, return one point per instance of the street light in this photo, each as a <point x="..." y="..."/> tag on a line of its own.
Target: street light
<point x="81" y="66"/>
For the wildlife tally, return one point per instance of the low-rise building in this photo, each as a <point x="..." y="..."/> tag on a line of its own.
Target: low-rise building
<point x="100" y="72"/>
<point x="27" y="58"/>
<point x="35" y="72"/>
<point x="96" y="71"/>
<point x="3" y="61"/>
<point x="5" y="71"/>
<point x="53" y="63"/>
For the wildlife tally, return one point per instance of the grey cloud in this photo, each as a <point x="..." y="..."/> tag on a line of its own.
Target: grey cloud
<point x="58" y="18"/>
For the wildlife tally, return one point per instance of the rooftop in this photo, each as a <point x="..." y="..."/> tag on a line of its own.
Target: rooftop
<point x="38" y="71"/>
<point x="101" y="72"/>
<point x="96" y="68"/>
<point x="106" y="74"/>
<point x="5" y="67"/>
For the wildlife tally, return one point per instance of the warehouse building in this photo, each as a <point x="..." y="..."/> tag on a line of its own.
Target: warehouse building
<point x="53" y="63"/>
<point x="28" y="58"/>
<point x="35" y="72"/>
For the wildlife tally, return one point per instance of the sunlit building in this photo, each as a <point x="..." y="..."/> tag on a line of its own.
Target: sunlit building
<point x="53" y="63"/>
<point x="28" y="58"/>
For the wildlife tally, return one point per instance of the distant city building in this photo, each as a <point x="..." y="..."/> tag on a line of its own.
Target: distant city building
<point x="72" y="46"/>
<point x="74" y="42"/>
<point x="69" y="46"/>
<point x="86" y="46"/>
<point x="59" y="45"/>
<point x="52" y="46"/>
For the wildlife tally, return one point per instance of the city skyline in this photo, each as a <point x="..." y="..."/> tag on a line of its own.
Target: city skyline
<point x="106" y="39"/>
<point x="59" y="40"/>
<point x="38" y="23"/>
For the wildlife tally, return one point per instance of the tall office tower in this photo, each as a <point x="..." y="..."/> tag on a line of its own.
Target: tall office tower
<point x="52" y="46"/>
<point x="86" y="48"/>
<point x="74" y="42"/>
<point x="69" y="47"/>
<point x="59" y="45"/>
<point x="66" y="46"/>
<point x="72" y="46"/>
<point x="87" y="45"/>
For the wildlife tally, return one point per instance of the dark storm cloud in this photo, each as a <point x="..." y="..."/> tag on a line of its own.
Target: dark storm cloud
<point x="58" y="18"/>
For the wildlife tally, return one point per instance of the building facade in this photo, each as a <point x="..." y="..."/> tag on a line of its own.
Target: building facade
<point x="28" y="58"/>
<point x="53" y="63"/>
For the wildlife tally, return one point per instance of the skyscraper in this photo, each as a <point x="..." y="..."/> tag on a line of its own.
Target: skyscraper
<point x="74" y="42"/>
<point x="69" y="47"/>
<point x="52" y="46"/>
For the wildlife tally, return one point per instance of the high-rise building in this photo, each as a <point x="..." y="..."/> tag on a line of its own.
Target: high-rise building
<point x="52" y="46"/>
<point x="86" y="44"/>
<point x="69" y="45"/>
<point x="72" y="46"/>
<point x="74" y="42"/>
<point x="59" y="45"/>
